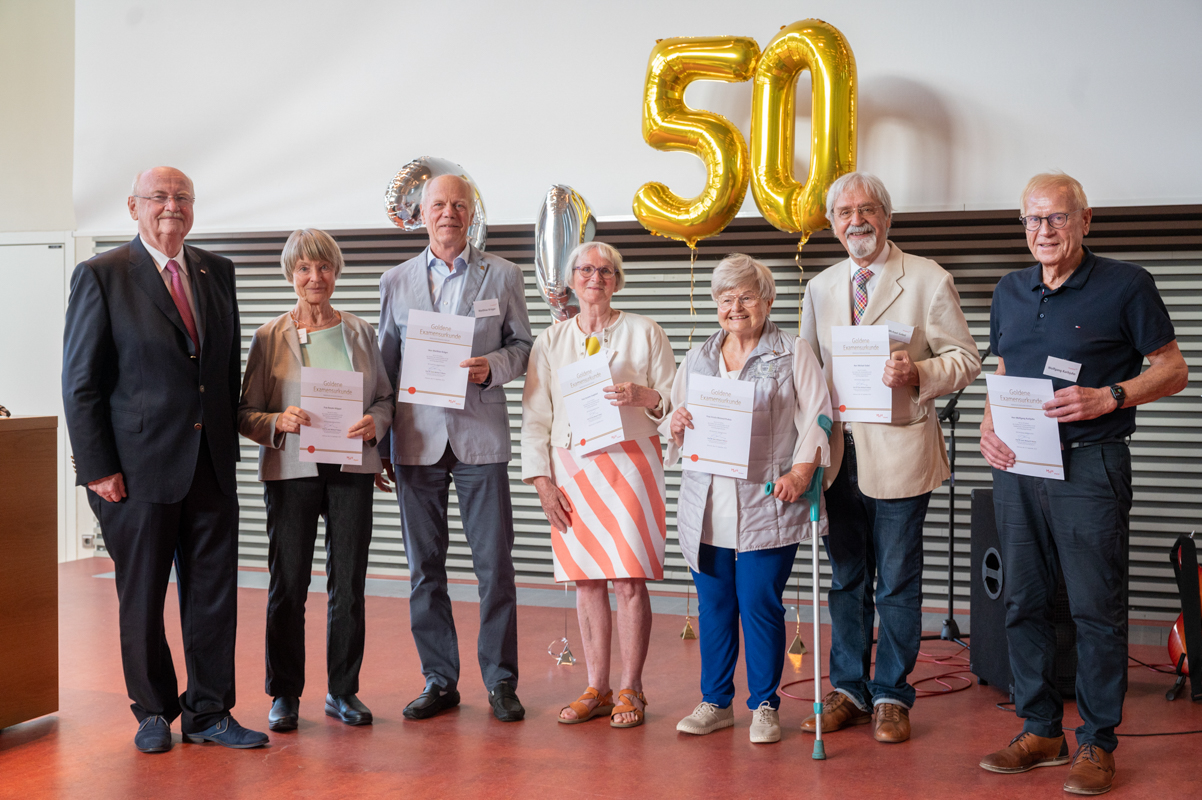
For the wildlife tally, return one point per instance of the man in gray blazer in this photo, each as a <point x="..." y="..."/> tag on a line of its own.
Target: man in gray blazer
<point x="431" y="445"/>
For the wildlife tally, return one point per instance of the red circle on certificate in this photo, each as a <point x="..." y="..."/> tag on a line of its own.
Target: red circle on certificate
<point x="412" y="390"/>
<point x="312" y="449"/>
<point x="693" y="457"/>
<point x="582" y="441"/>
<point x="841" y="408"/>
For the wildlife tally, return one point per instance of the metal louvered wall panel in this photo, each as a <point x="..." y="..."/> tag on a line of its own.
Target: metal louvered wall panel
<point x="976" y="247"/>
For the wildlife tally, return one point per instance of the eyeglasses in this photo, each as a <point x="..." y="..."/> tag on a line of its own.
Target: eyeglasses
<point x="866" y="210"/>
<point x="1057" y="220"/>
<point x="605" y="273"/>
<point x="745" y="300"/>
<point x="163" y="199"/>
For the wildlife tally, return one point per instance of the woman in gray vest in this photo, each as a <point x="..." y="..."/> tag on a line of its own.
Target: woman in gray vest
<point x="738" y="538"/>
<point x="298" y="493"/>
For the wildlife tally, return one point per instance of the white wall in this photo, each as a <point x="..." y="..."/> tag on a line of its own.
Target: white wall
<point x="299" y="112"/>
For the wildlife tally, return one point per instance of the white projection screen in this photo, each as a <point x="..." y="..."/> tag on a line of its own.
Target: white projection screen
<point x="298" y="113"/>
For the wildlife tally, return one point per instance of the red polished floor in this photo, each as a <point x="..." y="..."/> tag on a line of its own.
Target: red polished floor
<point x="86" y="749"/>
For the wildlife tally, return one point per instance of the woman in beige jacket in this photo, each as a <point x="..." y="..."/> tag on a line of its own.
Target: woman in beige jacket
<point x="606" y="507"/>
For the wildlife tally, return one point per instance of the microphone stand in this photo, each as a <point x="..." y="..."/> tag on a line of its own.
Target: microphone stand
<point x="951" y="415"/>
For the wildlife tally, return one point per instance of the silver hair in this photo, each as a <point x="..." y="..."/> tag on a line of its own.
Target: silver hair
<point x="470" y="194"/>
<point x="310" y="244"/>
<point x="608" y="252"/>
<point x="742" y="270"/>
<point x="859" y="180"/>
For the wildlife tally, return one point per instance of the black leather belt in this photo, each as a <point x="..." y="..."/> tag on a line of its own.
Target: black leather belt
<point x="1072" y="445"/>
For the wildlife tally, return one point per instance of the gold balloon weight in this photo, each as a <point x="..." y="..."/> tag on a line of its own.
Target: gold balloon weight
<point x="797" y="649"/>
<point x="688" y="632"/>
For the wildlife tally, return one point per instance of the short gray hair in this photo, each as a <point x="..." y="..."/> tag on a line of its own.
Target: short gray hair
<point x="859" y="180"/>
<point x="471" y="194"/>
<point x="738" y="270"/>
<point x="310" y="244"/>
<point x="608" y="252"/>
<point x="1045" y="181"/>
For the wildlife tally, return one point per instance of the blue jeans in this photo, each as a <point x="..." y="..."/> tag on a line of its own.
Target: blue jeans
<point x="1079" y="526"/>
<point x="869" y="540"/>
<point x="743" y="587"/>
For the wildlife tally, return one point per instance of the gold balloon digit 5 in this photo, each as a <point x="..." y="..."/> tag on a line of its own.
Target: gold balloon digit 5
<point x="669" y="124"/>
<point x="815" y="45"/>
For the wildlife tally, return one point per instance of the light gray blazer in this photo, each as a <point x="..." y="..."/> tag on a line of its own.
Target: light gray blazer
<point x="479" y="432"/>
<point x="272" y="383"/>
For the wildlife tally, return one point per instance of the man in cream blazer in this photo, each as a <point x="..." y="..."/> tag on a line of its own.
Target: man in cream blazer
<point x="882" y="475"/>
<point x="429" y="447"/>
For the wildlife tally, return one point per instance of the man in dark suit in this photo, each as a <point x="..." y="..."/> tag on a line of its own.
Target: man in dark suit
<point x="151" y="361"/>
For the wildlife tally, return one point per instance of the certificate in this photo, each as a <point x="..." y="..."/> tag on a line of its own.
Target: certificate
<point x="333" y="399"/>
<point x="595" y="423"/>
<point x="858" y="356"/>
<point x="720" y="440"/>
<point x="435" y="346"/>
<point x="1016" y="405"/>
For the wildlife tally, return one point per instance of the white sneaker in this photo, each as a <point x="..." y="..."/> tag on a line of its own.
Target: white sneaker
<point x="707" y="718"/>
<point x="765" y="724"/>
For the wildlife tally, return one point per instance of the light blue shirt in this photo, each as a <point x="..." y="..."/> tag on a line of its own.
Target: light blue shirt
<point x="446" y="283"/>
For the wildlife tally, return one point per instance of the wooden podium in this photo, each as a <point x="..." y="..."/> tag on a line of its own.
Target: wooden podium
<point x="28" y="568"/>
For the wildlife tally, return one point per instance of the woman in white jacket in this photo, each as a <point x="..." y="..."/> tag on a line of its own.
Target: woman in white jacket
<point x="606" y="508"/>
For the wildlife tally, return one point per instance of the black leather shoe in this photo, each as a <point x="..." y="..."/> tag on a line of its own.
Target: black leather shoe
<point x="505" y="704"/>
<point x="154" y="735"/>
<point x="348" y="708"/>
<point x="430" y="702"/>
<point x="284" y="714"/>
<point x="228" y="733"/>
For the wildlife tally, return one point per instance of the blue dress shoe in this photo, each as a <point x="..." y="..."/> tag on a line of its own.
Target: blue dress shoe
<point x="284" y="714"/>
<point x="154" y="735"/>
<point x="228" y="733"/>
<point x="348" y="708"/>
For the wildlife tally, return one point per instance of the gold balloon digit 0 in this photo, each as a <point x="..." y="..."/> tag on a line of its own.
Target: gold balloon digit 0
<point x="669" y="124"/>
<point x="815" y="45"/>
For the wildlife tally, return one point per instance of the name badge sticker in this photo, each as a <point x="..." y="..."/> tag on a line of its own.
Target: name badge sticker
<point x="899" y="332"/>
<point x="1062" y="368"/>
<point x="487" y="308"/>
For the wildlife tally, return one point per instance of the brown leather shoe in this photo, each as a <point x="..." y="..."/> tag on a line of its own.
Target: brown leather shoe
<point x="1028" y="751"/>
<point x="891" y="723"/>
<point x="838" y="711"/>
<point x="1092" y="771"/>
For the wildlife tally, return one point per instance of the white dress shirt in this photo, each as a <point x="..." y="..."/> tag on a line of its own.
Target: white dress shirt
<point x="160" y="261"/>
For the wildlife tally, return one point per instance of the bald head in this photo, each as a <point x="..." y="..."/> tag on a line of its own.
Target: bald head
<point x="161" y="202"/>
<point x="447" y="208"/>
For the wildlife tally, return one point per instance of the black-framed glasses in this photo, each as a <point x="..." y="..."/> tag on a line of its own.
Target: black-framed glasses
<point x="164" y="199"/>
<point x="866" y="210"/>
<point x="1057" y="220"/>
<point x="605" y="273"/>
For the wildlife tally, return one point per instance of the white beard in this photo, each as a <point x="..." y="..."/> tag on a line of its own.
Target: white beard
<point x="861" y="247"/>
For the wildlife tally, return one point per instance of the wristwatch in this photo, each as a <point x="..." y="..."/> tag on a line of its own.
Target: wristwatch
<point x="1119" y="395"/>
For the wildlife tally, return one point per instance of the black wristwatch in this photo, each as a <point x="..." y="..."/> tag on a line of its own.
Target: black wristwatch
<point x="1118" y="394"/>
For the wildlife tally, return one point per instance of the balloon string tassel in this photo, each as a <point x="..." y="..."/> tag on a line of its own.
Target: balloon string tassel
<point x="692" y="308"/>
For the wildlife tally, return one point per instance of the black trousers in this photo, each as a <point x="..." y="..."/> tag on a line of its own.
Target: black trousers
<point x="1079" y="526"/>
<point x="200" y="534"/>
<point x="293" y="507"/>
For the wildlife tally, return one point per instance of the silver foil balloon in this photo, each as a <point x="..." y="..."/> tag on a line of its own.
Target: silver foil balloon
<point x="564" y="221"/>
<point x="403" y="198"/>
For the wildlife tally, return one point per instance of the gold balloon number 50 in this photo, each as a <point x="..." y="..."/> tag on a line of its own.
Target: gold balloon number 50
<point x="668" y="124"/>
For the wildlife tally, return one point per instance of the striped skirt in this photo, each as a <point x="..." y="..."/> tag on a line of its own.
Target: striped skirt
<point x="618" y="518"/>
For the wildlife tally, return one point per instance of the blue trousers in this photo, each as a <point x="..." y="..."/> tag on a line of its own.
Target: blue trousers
<point x="487" y="513"/>
<point x="1079" y="526"/>
<point x="874" y="540"/>
<point x="744" y="587"/>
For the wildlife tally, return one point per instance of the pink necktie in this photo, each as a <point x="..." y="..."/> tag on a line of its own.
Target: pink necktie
<point x="181" y="302"/>
<point x="863" y="274"/>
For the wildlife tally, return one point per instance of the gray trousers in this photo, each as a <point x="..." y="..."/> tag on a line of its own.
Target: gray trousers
<point x="487" y="514"/>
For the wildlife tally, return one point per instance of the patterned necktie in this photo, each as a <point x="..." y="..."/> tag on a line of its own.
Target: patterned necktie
<point x="863" y="274"/>
<point x="181" y="302"/>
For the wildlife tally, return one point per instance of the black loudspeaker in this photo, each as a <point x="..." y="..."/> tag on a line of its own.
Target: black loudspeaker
<point x="989" y="658"/>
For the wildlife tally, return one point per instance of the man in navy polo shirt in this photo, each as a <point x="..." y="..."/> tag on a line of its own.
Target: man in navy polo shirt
<point x="1104" y="317"/>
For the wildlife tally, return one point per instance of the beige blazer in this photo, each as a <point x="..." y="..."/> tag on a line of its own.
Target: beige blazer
<point x="907" y="457"/>
<point x="272" y="383"/>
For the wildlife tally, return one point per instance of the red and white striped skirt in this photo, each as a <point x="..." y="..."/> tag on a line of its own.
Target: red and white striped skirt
<point x="618" y="519"/>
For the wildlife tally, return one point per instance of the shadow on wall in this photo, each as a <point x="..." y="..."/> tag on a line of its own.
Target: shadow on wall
<point x="905" y="139"/>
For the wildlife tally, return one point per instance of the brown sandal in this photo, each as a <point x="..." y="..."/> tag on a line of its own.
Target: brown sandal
<point x="583" y="712"/>
<point x="627" y="697"/>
